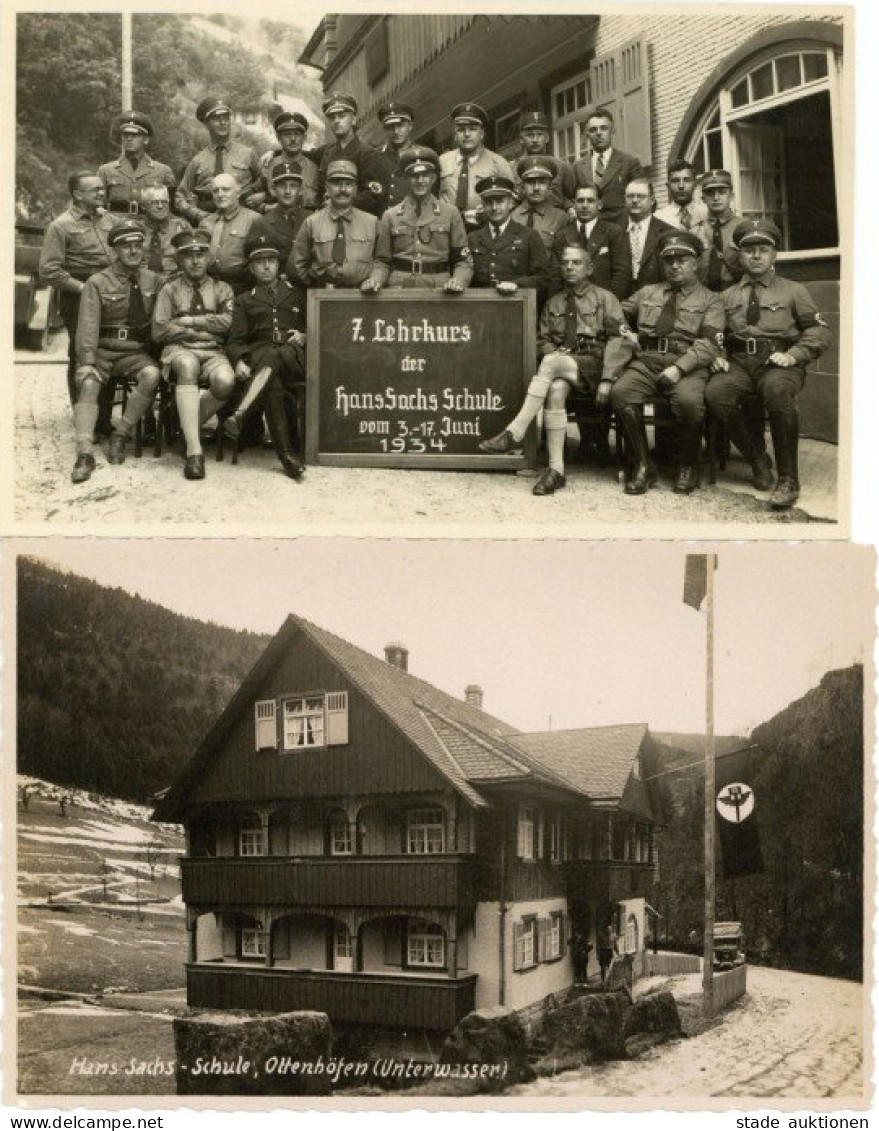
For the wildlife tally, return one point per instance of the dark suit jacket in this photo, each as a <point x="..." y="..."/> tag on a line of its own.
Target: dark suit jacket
<point x="517" y="257"/>
<point x="621" y="169"/>
<point x="276" y="225"/>
<point x="254" y="318"/>
<point x="611" y="256"/>
<point x="651" y="265"/>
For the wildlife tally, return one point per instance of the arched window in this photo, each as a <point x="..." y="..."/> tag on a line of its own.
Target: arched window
<point x="773" y="123"/>
<point x="631" y="935"/>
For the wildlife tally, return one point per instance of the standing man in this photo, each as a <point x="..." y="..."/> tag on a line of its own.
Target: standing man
<point x="290" y="129"/>
<point x="719" y="266"/>
<point x="461" y="167"/>
<point x="221" y="155"/>
<point x="75" y="246"/>
<point x="421" y="241"/>
<point x="534" y="138"/>
<point x="398" y="120"/>
<point x="506" y="254"/>
<point x="160" y="229"/>
<point x="191" y="320"/>
<point x="282" y="220"/>
<point x="126" y="178"/>
<point x="773" y="331"/>
<point x="340" y="111"/>
<point x="682" y="210"/>
<point x="536" y="209"/>
<point x="609" y="169"/>
<point x="678" y="326"/>
<point x="336" y="245"/>
<point x="111" y="341"/>
<point x="228" y="226"/>
<point x="644" y="232"/>
<point x="575" y="327"/>
<point x="606" y="243"/>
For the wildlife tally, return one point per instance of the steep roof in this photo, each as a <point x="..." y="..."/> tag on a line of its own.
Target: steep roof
<point x="596" y="760"/>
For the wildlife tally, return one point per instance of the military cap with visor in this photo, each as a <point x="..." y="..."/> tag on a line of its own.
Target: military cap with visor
<point x="341" y="170"/>
<point x="496" y="185"/>
<point x="533" y="120"/>
<point x="535" y="167"/>
<point x="679" y="243"/>
<point x="261" y="247"/>
<point x="418" y="159"/>
<point x="210" y="106"/>
<point x="190" y="240"/>
<point x="290" y="120"/>
<point x="132" y="121"/>
<point x="716" y="178"/>
<point x="338" y="101"/>
<point x="393" y="112"/>
<point x="285" y="170"/>
<point x="126" y="231"/>
<point x="470" y="112"/>
<point x="756" y="231"/>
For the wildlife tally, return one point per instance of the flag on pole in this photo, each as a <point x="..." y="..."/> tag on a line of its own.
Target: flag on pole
<point x="696" y="579"/>
<point x="736" y="808"/>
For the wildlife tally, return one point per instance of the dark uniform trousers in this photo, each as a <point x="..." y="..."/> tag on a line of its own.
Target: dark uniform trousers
<point x="640" y="382"/>
<point x="776" y="387"/>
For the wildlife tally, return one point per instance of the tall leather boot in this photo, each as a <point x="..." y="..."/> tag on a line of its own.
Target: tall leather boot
<point x="785" y="429"/>
<point x="741" y="432"/>
<point x="690" y="439"/>
<point x="642" y="473"/>
<point x="279" y="430"/>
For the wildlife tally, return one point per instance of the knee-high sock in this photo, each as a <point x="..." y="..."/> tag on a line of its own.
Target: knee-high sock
<point x="85" y="417"/>
<point x="187" y="409"/>
<point x="555" y="421"/>
<point x="534" y="399"/>
<point x="138" y="402"/>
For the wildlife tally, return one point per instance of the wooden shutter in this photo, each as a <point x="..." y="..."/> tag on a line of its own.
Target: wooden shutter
<point x="230" y="938"/>
<point x="518" y="931"/>
<point x="337" y="718"/>
<point x="266" y="724"/>
<point x="394" y="942"/>
<point x="633" y="100"/>
<point x="603" y="88"/>
<point x="542" y="932"/>
<point x="563" y="934"/>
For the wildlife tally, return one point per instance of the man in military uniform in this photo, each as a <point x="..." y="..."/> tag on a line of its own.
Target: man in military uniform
<point x="536" y="210"/>
<point x="126" y="177"/>
<point x="221" y="155"/>
<point x="290" y="128"/>
<point x="460" y="168"/>
<point x="606" y="243"/>
<point x="228" y="226"/>
<point x="283" y="219"/>
<point x="267" y="347"/>
<point x="160" y="228"/>
<point x="340" y="111"/>
<point x="421" y="242"/>
<point x="678" y="325"/>
<point x="773" y="331"/>
<point x="534" y="135"/>
<point x="398" y="120"/>
<point x="682" y="210"/>
<point x="507" y="255"/>
<point x="719" y="266"/>
<point x="74" y="247"/>
<point x="336" y="245"/>
<point x="111" y="340"/>
<point x="609" y="169"/>
<point x="575" y="327"/>
<point x="191" y="320"/>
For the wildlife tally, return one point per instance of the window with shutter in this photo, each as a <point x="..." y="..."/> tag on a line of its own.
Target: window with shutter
<point x="337" y="718"/>
<point x="527" y="832"/>
<point x="553" y="942"/>
<point x="265" y="711"/>
<point x="633" y="100"/>
<point x="542" y="939"/>
<point x="518" y="930"/>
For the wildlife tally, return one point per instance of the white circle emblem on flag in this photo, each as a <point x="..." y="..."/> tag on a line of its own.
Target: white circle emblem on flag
<point x="735" y="802"/>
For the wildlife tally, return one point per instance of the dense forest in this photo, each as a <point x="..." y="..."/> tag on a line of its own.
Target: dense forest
<point x="115" y="692"/>
<point x="805" y="909"/>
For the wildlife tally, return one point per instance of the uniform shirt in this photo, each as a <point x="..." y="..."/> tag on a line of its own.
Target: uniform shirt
<point x="731" y="269"/>
<point x="280" y="225"/>
<point x="175" y="300"/>
<point x="370" y="190"/>
<point x="437" y="235"/>
<point x="228" y="234"/>
<point x="598" y="315"/>
<point x="787" y="311"/>
<point x="194" y="191"/>
<point x="311" y="261"/>
<point x="547" y="219"/>
<point x="671" y="214"/>
<point x="484" y="164"/>
<point x="395" y="186"/>
<point x="74" y="247"/>
<point x="517" y="255"/>
<point x="165" y="232"/>
<point x="699" y="320"/>
<point x="260" y="318"/>
<point x="124" y="183"/>
<point x="563" y="186"/>
<point x="308" y="197"/>
<point x="104" y="306"/>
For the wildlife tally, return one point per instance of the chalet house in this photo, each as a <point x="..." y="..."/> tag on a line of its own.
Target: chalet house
<point x="756" y="92"/>
<point x="362" y="843"/>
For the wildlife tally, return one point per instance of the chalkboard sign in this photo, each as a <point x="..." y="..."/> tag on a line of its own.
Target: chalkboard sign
<point x="408" y="378"/>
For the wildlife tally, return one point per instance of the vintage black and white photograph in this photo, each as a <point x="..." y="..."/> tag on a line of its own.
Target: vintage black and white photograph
<point x="292" y="269"/>
<point x="300" y="823"/>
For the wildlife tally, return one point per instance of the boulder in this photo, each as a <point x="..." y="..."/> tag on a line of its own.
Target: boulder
<point x="589" y="1028"/>
<point x="238" y="1054"/>
<point x="651" y="1020"/>
<point x="487" y="1052"/>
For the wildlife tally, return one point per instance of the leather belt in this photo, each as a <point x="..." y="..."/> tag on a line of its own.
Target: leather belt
<point x="126" y="206"/>
<point x="756" y="347"/>
<point x="663" y="345"/>
<point x="419" y="267"/>
<point x="588" y="344"/>
<point x="118" y="334"/>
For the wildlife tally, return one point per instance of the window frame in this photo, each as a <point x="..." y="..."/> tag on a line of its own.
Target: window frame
<point x="253" y="833"/>
<point x="554" y="934"/>
<point x="286" y="716"/>
<point x="415" y="821"/>
<point x="253" y="942"/>
<point x="422" y="931"/>
<point x="527" y="935"/>
<point x="338" y="821"/>
<point x="523" y="823"/>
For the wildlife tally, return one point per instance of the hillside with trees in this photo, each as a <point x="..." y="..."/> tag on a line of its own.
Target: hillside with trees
<point x="115" y="692"/>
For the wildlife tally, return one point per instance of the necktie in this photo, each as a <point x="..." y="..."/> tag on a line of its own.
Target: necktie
<point x="599" y="168"/>
<point x="686" y="218"/>
<point x="339" y="241"/>
<point x="218" y="160"/>
<point x="570" y="321"/>
<point x="217" y="238"/>
<point x="462" y="196"/>
<point x="583" y="236"/>
<point x="137" y="316"/>
<point x="155" y="260"/>
<point x="752" y="316"/>
<point x="715" y="261"/>
<point x="635" y="241"/>
<point x="665" y="323"/>
<point x="495" y="233"/>
<point x="196" y="303"/>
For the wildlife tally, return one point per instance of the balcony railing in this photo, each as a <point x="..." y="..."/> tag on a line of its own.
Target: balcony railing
<point x="394" y="1001"/>
<point x="334" y="881"/>
<point x="607" y="881"/>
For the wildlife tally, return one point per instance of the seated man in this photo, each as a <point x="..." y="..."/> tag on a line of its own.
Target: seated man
<point x="506" y="254"/>
<point x="575" y="326"/>
<point x="191" y="320"/>
<point x="267" y="347"/>
<point x="679" y="323"/>
<point x="773" y="330"/>
<point x="112" y="334"/>
<point x="421" y="241"/>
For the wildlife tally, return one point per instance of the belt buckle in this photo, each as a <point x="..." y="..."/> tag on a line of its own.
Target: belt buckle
<point x="417" y="267"/>
<point x="277" y="337"/>
<point x="751" y="347"/>
<point x="662" y="345"/>
<point x="122" y="333"/>
<point x="134" y="207"/>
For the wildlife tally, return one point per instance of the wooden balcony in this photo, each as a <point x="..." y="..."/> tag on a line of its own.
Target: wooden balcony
<point x="607" y="881"/>
<point x="406" y="882"/>
<point x="397" y="1001"/>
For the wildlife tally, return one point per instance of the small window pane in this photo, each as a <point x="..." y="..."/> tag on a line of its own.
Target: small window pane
<point x="761" y="82"/>
<point x="714" y="123"/>
<point x="815" y="67"/>
<point x="739" y="94"/>
<point x="715" y="151"/>
<point x="560" y="104"/>
<point x="788" y="71"/>
<point x="581" y="94"/>
<point x="569" y="100"/>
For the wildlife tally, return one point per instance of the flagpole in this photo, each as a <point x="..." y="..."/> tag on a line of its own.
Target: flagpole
<point x="708" y="945"/>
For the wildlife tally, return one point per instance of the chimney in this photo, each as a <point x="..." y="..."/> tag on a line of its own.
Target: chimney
<point x="473" y="695"/>
<point x="398" y="655"/>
